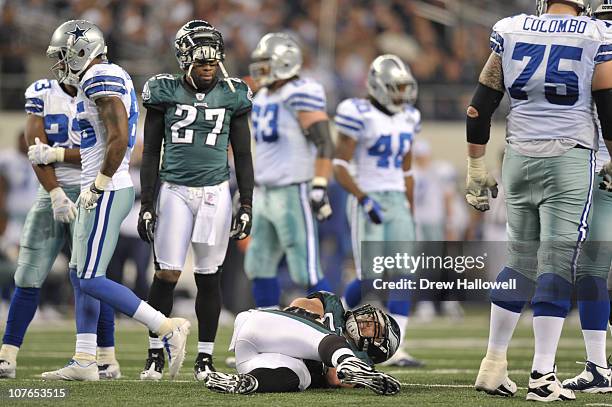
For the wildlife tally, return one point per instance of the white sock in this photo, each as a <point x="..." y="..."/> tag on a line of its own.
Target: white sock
<point x="595" y="343"/>
<point x="339" y="353"/>
<point x="155" y="343"/>
<point x="547" y="332"/>
<point x="206" y="347"/>
<point x="402" y="321"/>
<point x="86" y="343"/>
<point x="9" y="352"/>
<point x="501" y="328"/>
<point x="149" y="316"/>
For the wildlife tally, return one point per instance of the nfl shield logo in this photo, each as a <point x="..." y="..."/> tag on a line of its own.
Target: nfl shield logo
<point x="200" y="96"/>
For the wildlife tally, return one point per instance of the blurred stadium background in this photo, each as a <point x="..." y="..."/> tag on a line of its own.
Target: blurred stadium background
<point x="444" y="41"/>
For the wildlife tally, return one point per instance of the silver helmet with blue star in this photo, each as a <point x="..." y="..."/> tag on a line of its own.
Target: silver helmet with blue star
<point x="391" y="83"/>
<point x="75" y="44"/>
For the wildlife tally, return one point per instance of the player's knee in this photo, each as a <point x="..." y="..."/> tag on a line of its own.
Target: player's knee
<point x="28" y="278"/>
<point x="168" y="276"/>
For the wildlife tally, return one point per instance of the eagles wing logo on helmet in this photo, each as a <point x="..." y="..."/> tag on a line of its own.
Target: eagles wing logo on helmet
<point x="198" y="40"/>
<point x="373" y="332"/>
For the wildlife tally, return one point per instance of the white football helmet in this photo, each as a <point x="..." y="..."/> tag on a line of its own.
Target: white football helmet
<point x="585" y="9"/>
<point x="276" y="57"/>
<point x="604" y="8"/>
<point x="391" y="83"/>
<point x="75" y="44"/>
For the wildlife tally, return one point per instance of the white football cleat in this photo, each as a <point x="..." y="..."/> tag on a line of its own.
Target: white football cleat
<point x="593" y="379"/>
<point x="74" y="371"/>
<point x="493" y="378"/>
<point x="7" y="369"/>
<point x="402" y="358"/>
<point x="109" y="371"/>
<point x="547" y="388"/>
<point x="174" y="343"/>
<point x="355" y="371"/>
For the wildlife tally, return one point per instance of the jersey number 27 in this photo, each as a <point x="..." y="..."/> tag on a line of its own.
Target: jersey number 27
<point x="182" y="135"/>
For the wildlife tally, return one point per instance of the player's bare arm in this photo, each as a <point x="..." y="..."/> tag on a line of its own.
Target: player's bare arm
<point x="114" y="116"/>
<point x="345" y="150"/>
<point x="409" y="179"/>
<point x="35" y="128"/>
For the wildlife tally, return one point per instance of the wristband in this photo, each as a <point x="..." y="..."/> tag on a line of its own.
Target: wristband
<point x="102" y="181"/>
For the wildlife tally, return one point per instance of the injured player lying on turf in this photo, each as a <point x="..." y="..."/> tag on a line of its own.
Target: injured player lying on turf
<point x="313" y="343"/>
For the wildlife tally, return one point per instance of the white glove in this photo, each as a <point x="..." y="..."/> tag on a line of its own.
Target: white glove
<point x="478" y="184"/>
<point x="88" y="199"/>
<point x="606" y="173"/>
<point x="64" y="210"/>
<point x="41" y="153"/>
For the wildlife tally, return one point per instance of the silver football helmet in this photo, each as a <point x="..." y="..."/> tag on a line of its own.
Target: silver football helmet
<point x="373" y="331"/>
<point x="585" y="9"/>
<point x="75" y="44"/>
<point x="391" y="83"/>
<point x="604" y="8"/>
<point x="276" y="57"/>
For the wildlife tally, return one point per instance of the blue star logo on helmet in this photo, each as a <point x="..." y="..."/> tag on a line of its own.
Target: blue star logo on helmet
<point x="78" y="33"/>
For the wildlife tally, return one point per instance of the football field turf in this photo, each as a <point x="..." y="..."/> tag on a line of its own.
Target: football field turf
<point x="452" y="351"/>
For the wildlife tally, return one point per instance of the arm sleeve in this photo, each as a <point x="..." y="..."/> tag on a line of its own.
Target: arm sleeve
<point x="149" y="172"/>
<point x="244" y="98"/>
<point x="240" y="138"/>
<point x="604" y="52"/>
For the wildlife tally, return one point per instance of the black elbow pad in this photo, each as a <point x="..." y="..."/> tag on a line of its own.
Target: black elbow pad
<point x="320" y="136"/>
<point x="603" y="101"/>
<point x="485" y="101"/>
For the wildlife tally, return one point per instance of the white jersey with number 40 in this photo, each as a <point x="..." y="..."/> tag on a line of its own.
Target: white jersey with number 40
<point x="382" y="142"/>
<point x="104" y="80"/>
<point x="548" y="63"/>
<point x="45" y="98"/>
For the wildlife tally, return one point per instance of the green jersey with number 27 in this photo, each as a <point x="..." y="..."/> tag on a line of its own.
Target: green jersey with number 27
<point x="197" y="126"/>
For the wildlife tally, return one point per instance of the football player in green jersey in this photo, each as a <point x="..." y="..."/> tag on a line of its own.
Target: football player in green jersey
<point x="283" y="351"/>
<point x="195" y="116"/>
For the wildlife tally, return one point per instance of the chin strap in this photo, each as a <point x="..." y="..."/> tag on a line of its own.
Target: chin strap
<point x="189" y="78"/>
<point x="226" y="76"/>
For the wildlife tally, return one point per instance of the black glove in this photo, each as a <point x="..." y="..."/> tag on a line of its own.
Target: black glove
<point x="319" y="200"/>
<point x="146" y="223"/>
<point x="241" y="224"/>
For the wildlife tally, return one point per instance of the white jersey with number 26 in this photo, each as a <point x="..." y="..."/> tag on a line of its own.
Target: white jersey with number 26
<point x="548" y="63"/>
<point x="104" y="80"/>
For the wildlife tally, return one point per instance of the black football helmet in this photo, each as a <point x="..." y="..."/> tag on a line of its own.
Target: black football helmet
<point x="198" y="40"/>
<point x="373" y="331"/>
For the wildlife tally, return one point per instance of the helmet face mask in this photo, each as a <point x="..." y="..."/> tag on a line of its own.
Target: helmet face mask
<point x="391" y="83"/>
<point x="604" y="11"/>
<point x="276" y="57"/>
<point x="373" y="331"/>
<point x="75" y="44"/>
<point x="198" y="42"/>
